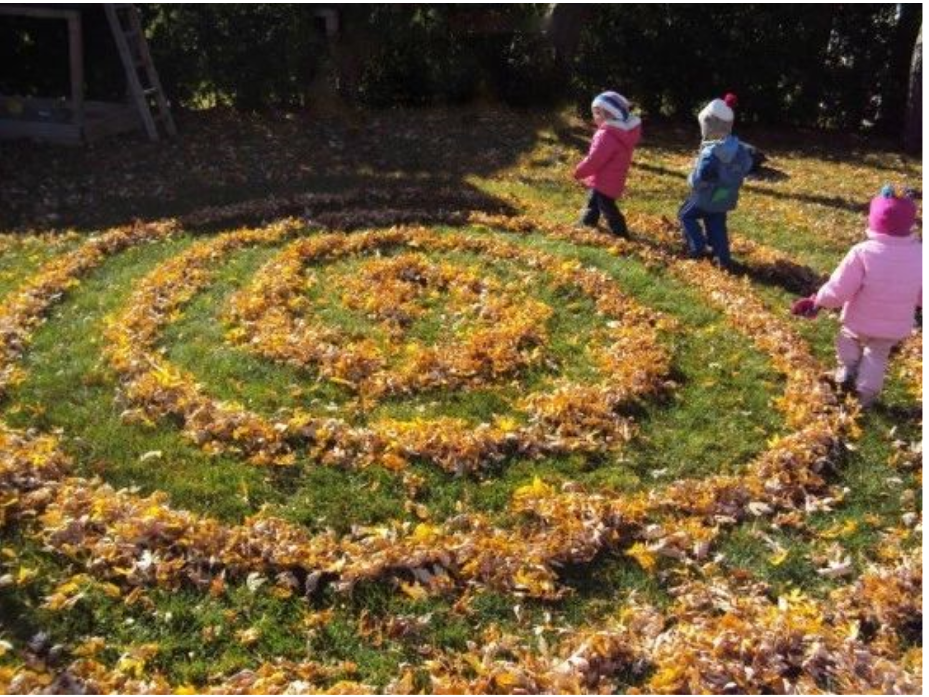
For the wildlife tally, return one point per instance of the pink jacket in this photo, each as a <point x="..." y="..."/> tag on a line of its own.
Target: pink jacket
<point x="878" y="285"/>
<point x="607" y="164"/>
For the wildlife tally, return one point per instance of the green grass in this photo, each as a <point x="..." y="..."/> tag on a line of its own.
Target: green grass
<point x="74" y="391"/>
<point x="83" y="390"/>
<point x="20" y="257"/>
<point x="717" y="418"/>
<point x="198" y="635"/>
<point x="196" y="343"/>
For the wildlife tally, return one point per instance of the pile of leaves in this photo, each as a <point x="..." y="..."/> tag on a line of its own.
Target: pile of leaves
<point x="575" y="417"/>
<point x="910" y="361"/>
<point x="504" y="328"/>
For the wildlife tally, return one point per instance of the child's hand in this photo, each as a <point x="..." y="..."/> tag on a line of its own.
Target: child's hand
<point x="805" y="307"/>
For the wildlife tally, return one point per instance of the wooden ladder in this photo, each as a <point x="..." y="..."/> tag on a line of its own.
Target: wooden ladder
<point x="141" y="76"/>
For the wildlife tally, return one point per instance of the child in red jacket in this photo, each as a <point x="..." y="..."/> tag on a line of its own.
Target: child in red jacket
<point x="606" y="166"/>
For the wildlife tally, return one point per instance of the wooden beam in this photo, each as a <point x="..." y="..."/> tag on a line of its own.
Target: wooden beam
<point x="37" y="12"/>
<point x="100" y="119"/>
<point x="65" y="133"/>
<point x="76" y="51"/>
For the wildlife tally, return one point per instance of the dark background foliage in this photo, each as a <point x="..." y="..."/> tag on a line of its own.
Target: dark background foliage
<point x="837" y="66"/>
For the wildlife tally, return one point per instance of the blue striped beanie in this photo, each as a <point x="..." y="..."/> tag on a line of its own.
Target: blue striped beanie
<point x="613" y="102"/>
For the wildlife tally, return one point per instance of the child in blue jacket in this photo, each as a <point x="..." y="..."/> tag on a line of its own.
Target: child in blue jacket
<point x="715" y="182"/>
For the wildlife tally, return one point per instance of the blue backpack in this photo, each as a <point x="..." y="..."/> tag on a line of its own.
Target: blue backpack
<point x="718" y="175"/>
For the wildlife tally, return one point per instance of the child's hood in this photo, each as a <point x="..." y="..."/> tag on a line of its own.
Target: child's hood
<point x="626" y="133"/>
<point x="630" y="124"/>
<point x="726" y="149"/>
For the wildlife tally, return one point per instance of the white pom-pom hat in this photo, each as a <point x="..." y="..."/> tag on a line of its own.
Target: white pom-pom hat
<point x="717" y="109"/>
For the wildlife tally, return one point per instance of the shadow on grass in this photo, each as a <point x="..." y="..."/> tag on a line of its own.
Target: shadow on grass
<point x="789" y="276"/>
<point x="768" y="174"/>
<point x="781" y="272"/>
<point x="225" y="158"/>
<point x="898" y="413"/>
<point x="827" y="201"/>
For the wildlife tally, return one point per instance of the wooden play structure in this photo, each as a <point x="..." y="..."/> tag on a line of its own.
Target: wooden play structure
<point x="77" y="120"/>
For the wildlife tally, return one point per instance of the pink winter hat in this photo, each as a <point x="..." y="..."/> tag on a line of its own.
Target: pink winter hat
<point x="891" y="214"/>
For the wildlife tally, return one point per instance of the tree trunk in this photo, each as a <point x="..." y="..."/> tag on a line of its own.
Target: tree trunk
<point x="820" y="19"/>
<point x="913" y="128"/>
<point x="892" y="113"/>
<point x="563" y="27"/>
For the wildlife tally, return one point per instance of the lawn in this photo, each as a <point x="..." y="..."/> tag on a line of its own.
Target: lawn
<point x="466" y="447"/>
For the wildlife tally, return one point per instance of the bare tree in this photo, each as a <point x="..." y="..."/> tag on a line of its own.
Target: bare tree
<point x="913" y="128"/>
<point x="563" y="25"/>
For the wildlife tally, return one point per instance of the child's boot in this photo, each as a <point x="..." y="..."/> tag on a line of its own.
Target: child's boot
<point x="620" y="229"/>
<point x="844" y="377"/>
<point x="614" y="217"/>
<point x="722" y="265"/>
<point x="589" y="218"/>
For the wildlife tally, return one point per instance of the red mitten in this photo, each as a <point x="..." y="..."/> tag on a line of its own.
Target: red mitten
<point x="805" y="307"/>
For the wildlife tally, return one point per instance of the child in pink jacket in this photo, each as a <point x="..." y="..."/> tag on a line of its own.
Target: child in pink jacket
<point x="878" y="285"/>
<point x="606" y="166"/>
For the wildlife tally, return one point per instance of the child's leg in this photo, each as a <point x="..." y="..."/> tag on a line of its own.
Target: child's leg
<point x="590" y="216"/>
<point x="872" y="368"/>
<point x="690" y="215"/>
<point x="848" y="353"/>
<point x="719" y="237"/>
<point x="614" y="218"/>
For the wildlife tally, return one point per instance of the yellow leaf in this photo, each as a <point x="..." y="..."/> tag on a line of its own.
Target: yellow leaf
<point x="643" y="555"/>
<point x="538" y="489"/>
<point x="131" y="666"/>
<point x="779" y="557"/>
<point x="424" y="532"/>
<point x="506" y="424"/>
<point x="91" y="647"/>
<point x="282" y="593"/>
<point x="533" y="581"/>
<point x="249" y="636"/>
<point x="25" y="575"/>
<point x="110" y="590"/>
<point x="840" y="530"/>
<point x="505" y="682"/>
<point x="414" y="590"/>
<point x="393" y="461"/>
